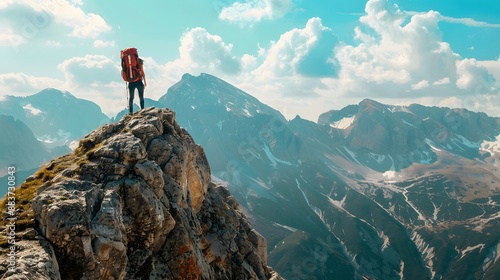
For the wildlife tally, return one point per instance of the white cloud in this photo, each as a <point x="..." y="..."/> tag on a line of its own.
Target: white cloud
<point x="400" y="53"/>
<point x="398" y="56"/>
<point x="96" y="78"/>
<point x="253" y="11"/>
<point x="464" y="21"/>
<point x="91" y="70"/>
<point x="469" y="22"/>
<point x="306" y="52"/>
<point x="200" y="51"/>
<point x="493" y="67"/>
<point x="28" y="19"/>
<point x="9" y="38"/>
<point x="103" y="44"/>
<point x="22" y="84"/>
<point x="443" y="81"/>
<point x="473" y="77"/>
<point x="248" y="62"/>
<point x="420" y="85"/>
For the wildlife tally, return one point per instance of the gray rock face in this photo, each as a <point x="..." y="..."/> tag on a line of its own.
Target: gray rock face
<point x="136" y="202"/>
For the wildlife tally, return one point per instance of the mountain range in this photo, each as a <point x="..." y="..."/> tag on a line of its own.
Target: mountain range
<point x="370" y="191"/>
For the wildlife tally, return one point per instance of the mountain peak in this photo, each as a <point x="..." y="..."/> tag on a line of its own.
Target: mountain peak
<point x="370" y="104"/>
<point x="187" y="76"/>
<point x="53" y="92"/>
<point x="205" y="90"/>
<point x="134" y="201"/>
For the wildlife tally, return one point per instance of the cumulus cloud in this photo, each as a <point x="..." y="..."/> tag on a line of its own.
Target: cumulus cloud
<point x="103" y="44"/>
<point x="474" y="77"/>
<point x="294" y="66"/>
<point x="9" y="38"/>
<point x="307" y="52"/>
<point x="253" y="11"/>
<point x="22" y="84"/>
<point x="96" y="78"/>
<point x="200" y="51"/>
<point x="400" y="57"/>
<point x="29" y="18"/>
<point x="91" y="70"/>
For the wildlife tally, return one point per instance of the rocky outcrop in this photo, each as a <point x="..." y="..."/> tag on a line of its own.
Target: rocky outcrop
<point x="135" y="201"/>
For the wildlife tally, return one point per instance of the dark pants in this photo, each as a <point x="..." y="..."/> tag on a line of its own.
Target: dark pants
<point x="131" y="89"/>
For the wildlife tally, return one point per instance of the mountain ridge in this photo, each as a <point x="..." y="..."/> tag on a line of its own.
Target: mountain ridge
<point x="309" y="177"/>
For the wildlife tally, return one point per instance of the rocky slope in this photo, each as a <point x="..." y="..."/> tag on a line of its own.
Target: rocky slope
<point x="133" y="201"/>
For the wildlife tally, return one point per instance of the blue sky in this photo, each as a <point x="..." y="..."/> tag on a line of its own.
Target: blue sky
<point x="300" y="57"/>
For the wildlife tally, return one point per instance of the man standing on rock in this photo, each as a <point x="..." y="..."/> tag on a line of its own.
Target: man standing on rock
<point x="133" y="73"/>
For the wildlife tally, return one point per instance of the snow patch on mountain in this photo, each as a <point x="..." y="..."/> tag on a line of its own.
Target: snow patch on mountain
<point x="32" y="110"/>
<point x="420" y="215"/>
<point x="343" y="123"/>
<point x="427" y="159"/>
<point x="395" y="109"/>
<point x="460" y="139"/>
<point x="472" y="248"/>
<point x="339" y="204"/>
<point x="352" y="154"/>
<point x="492" y="257"/>
<point x="274" y="160"/>
<point x="292" y="229"/>
<point x="432" y="145"/>
<point x="492" y="147"/>
<point x="409" y="124"/>
<point x="378" y="158"/>
<point x="316" y="210"/>
<point x="426" y="250"/>
<point x="391" y="174"/>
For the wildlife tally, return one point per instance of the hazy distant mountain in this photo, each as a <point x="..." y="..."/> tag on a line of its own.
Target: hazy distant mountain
<point x="20" y="148"/>
<point x="373" y="190"/>
<point x="55" y="117"/>
<point x="388" y="137"/>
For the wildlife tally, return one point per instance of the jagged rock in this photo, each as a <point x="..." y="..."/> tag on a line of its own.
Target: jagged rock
<point x="135" y="201"/>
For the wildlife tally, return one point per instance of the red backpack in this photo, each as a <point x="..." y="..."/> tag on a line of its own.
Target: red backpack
<point x="131" y="68"/>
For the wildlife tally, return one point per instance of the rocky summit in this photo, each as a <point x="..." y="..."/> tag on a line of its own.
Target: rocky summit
<point x="135" y="200"/>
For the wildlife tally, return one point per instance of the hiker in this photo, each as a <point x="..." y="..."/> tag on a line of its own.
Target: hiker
<point x="140" y="89"/>
<point x="133" y="73"/>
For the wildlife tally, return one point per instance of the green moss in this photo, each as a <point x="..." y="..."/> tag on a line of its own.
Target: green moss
<point x="25" y="193"/>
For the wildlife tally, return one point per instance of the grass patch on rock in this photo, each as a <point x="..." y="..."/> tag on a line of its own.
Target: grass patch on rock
<point x="25" y="192"/>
